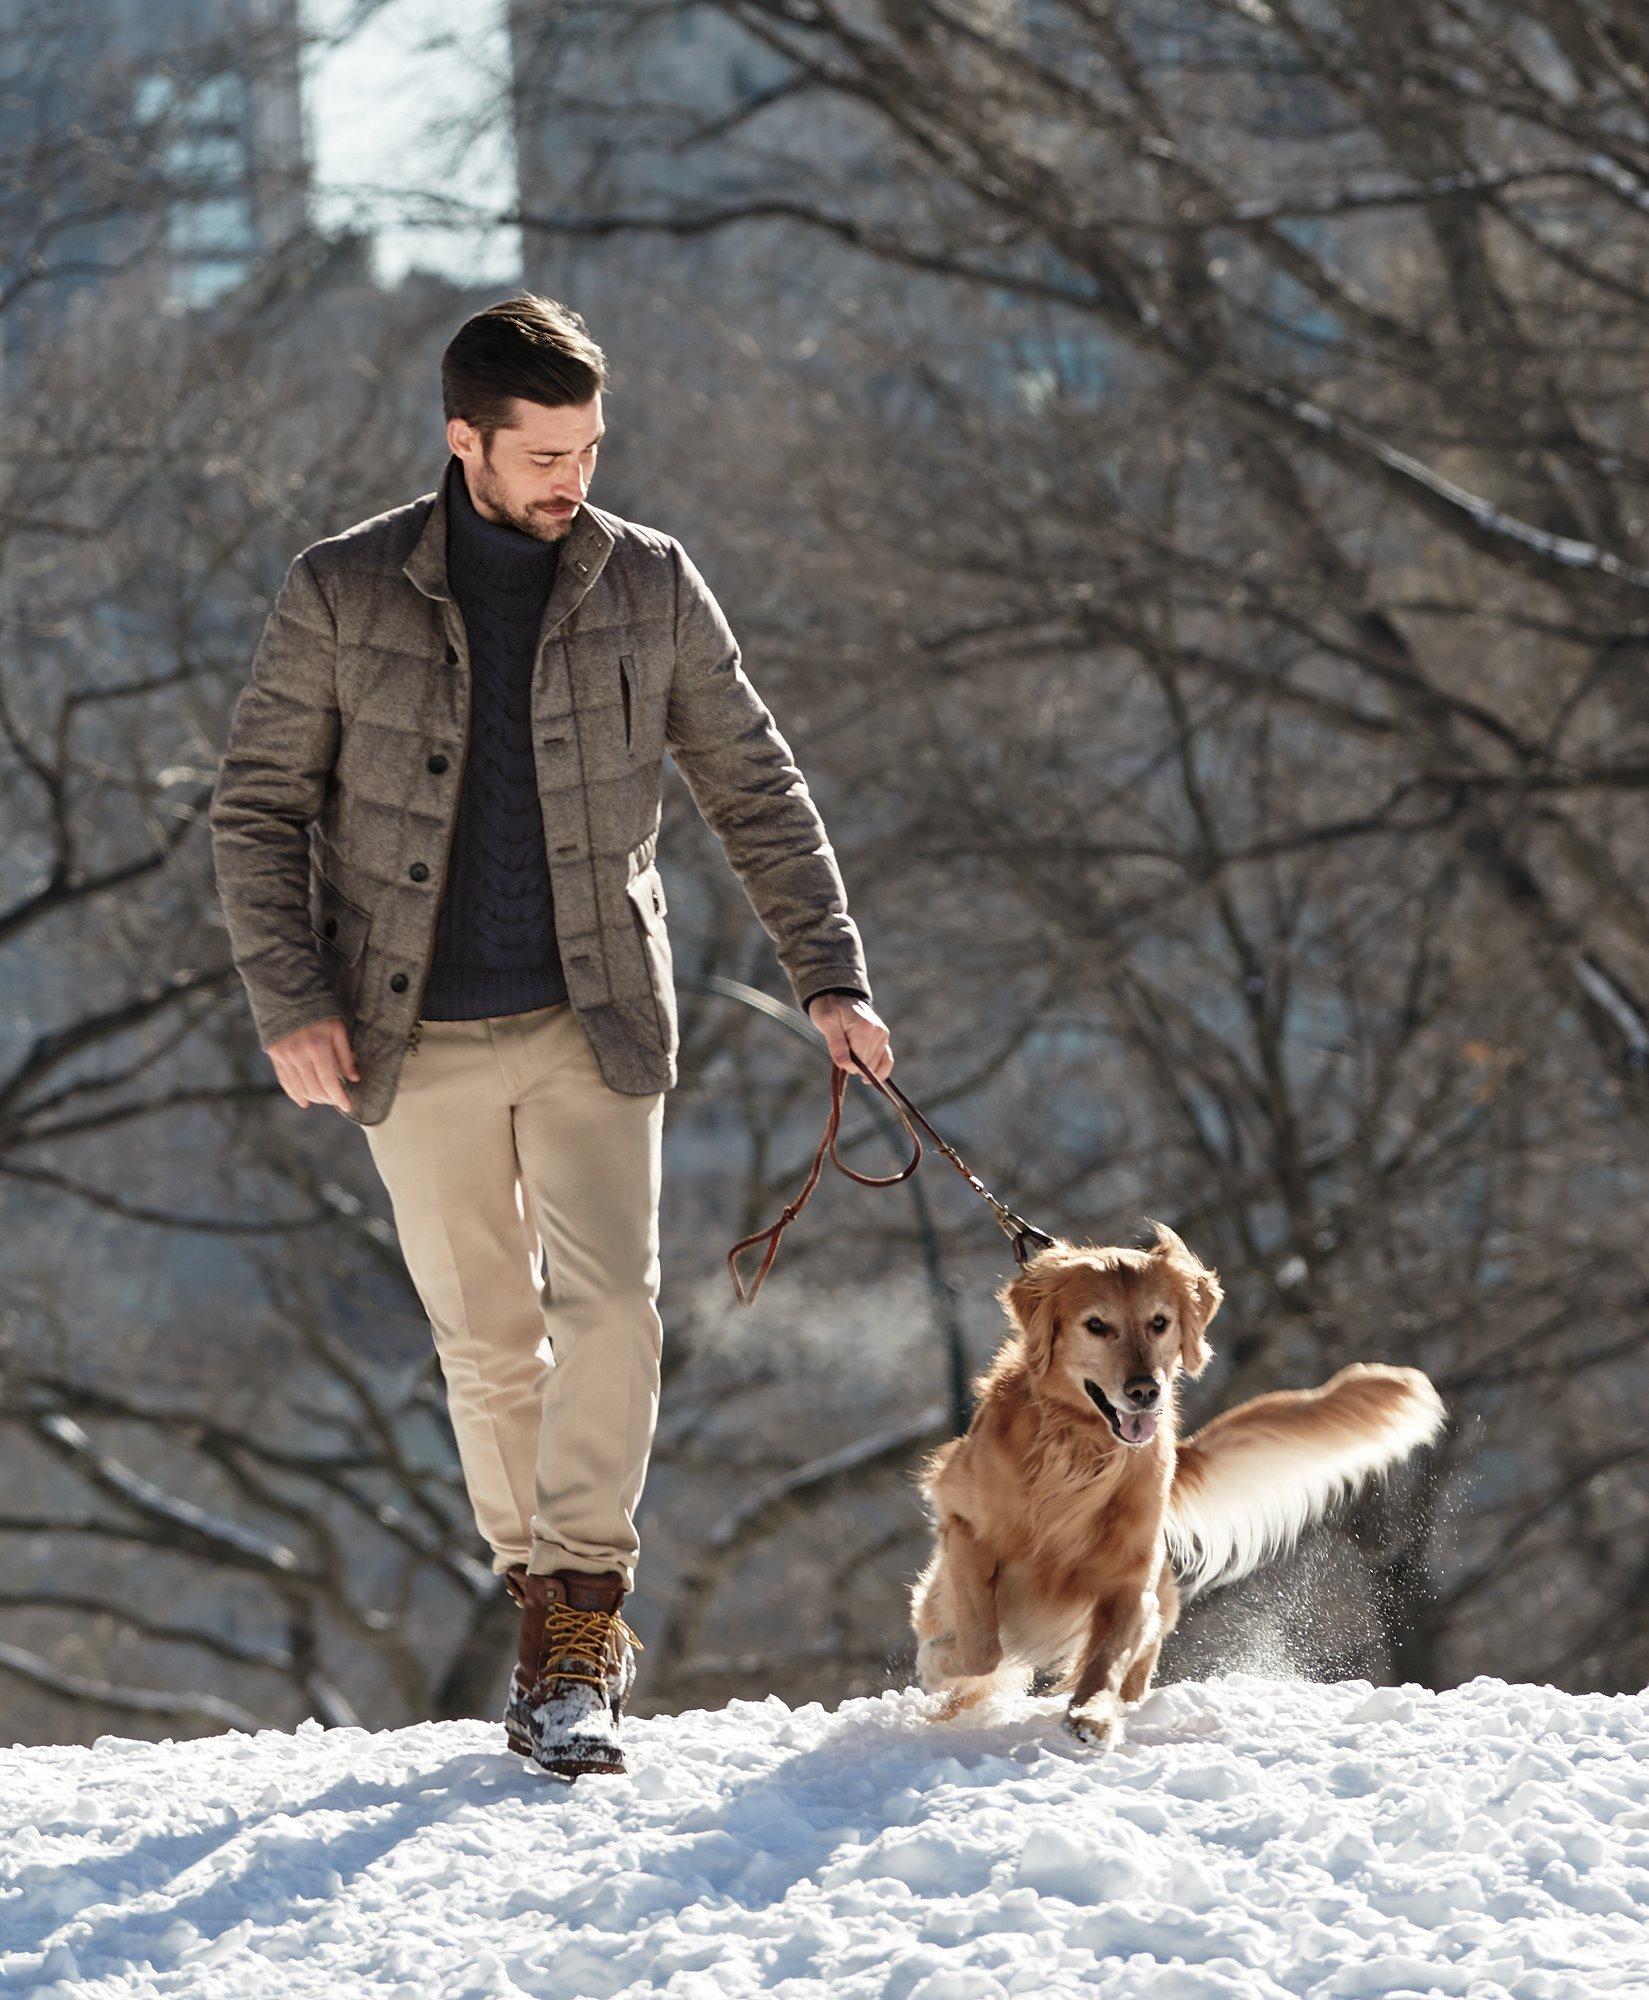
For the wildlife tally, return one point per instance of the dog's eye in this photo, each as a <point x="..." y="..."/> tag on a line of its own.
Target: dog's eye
<point x="1160" y="1321"/>
<point x="1095" y="1325"/>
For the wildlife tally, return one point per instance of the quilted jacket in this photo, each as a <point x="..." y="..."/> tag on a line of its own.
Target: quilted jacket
<point x="333" y="810"/>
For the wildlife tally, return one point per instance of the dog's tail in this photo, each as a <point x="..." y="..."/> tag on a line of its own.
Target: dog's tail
<point x="1254" y="1477"/>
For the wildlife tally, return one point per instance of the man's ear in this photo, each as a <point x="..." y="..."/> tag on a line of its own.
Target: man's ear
<point x="1029" y="1301"/>
<point x="1201" y="1291"/>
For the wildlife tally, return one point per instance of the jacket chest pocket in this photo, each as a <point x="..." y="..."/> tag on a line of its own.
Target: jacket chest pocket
<point x="642" y="682"/>
<point x="619" y="687"/>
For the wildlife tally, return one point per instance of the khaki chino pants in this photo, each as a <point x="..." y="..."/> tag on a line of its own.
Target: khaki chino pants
<point x="503" y="1140"/>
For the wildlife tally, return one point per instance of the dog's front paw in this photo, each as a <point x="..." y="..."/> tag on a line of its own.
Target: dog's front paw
<point x="945" y="1657"/>
<point x="1098" y="1722"/>
<point x="935" y="1661"/>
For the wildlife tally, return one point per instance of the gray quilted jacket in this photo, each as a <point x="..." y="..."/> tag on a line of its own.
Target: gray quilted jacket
<point x="333" y="810"/>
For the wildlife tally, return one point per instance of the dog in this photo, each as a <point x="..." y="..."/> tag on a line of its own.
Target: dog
<point x="1063" y="1513"/>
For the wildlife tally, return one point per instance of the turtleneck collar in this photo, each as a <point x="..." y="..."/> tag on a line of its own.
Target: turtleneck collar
<point x="492" y="549"/>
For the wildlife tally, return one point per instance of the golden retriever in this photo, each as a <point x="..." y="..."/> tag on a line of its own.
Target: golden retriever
<point x="1062" y="1513"/>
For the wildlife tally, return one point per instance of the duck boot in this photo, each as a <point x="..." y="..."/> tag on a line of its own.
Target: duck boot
<point x="574" y="1671"/>
<point x="517" y="1721"/>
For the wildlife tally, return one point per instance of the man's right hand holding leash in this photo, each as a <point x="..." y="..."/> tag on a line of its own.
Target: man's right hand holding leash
<point x="852" y="1027"/>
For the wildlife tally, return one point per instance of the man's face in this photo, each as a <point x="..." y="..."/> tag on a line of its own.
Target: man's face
<point x="536" y="473"/>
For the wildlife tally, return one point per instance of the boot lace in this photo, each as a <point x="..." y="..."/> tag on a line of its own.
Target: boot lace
<point x="588" y="1638"/>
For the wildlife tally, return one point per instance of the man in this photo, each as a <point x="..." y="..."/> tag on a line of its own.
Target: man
<point x="434" y="832"/>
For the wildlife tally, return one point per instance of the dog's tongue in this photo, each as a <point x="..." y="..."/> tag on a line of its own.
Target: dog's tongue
<point x="1138" y="1425"/>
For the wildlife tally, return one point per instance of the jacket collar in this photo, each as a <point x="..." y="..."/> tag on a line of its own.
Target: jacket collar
<point x="584" y="550"/>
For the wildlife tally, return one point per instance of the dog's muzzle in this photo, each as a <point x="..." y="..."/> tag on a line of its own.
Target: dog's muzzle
<point x="1133" y="1427"/>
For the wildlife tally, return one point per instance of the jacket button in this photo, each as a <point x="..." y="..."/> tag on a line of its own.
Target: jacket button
<point x="436" y="763"/>
<point x="452" y="655"/>
<point x="330" y="927"/>
<point x="398" y="982"/>
<point x="419" y="871"/>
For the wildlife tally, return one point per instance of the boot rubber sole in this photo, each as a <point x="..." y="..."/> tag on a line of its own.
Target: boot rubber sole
<point x="520" y="1741"/>
<point x="566" y="1767"/>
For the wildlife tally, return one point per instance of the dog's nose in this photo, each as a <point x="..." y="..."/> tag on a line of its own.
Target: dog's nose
<point x="1141" y="1391"/>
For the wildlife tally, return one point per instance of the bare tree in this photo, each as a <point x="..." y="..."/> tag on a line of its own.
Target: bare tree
<point x="1245" y="562"/>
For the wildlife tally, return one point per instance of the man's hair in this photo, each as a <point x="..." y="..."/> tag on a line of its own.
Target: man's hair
<point x="525" y="346"/>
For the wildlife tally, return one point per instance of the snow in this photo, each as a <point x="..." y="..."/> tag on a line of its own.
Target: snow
<point x="1250" y="1837"/>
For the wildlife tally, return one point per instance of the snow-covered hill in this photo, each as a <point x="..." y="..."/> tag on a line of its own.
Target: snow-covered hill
<point x="1250" y="1838"/>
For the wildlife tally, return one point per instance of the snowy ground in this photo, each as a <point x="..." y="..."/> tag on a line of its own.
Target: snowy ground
<point x="1250" y="1837"/>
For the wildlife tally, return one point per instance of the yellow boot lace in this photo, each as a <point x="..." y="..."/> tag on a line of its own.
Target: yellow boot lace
<point x="593" y="1637"/>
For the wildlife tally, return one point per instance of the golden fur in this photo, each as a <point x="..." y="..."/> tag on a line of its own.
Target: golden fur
<point x="1057" y="1537"/>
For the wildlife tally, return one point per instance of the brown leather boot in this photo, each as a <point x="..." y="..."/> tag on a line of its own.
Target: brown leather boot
<point x="574" y="1671"/>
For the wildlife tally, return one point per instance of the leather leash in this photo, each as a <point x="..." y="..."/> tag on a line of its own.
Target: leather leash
<point x="1024" y="1236"/>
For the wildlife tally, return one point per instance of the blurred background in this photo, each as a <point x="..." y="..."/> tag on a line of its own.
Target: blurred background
<point x="1178" y="470"/>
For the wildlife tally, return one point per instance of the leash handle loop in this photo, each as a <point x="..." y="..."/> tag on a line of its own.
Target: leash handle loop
<point x="1026" y="1239"/>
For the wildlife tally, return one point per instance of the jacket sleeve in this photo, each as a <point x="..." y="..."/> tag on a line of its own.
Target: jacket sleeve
<point x="283" y="740"/>
<point x="745" y="783"/>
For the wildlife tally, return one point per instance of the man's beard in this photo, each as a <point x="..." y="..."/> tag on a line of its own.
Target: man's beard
<point x="542" y="527"/>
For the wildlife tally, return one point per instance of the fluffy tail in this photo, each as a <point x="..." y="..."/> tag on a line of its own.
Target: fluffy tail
<point x="1248" y="1483"/>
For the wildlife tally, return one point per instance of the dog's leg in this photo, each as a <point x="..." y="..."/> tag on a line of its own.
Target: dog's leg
<point x="1125" y="1620"/>
<point x="956" y="1630"/>
<point x="1138" y="1677"/>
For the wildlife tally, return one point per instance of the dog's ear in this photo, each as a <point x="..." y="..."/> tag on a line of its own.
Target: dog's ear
<point x="1201" y="1290"/>
<point x="1029" y="1302"/>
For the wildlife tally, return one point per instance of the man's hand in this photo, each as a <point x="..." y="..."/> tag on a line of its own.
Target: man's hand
<point x="312" y="1063"/>
<point x="852" y="1028"/>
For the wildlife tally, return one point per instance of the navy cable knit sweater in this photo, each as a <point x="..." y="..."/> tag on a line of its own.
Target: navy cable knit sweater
<point x="495" y="947"/>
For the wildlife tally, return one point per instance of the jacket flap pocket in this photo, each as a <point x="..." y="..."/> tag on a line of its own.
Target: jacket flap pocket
<point x="339" y="924"/>
<point x="646" y="889"/>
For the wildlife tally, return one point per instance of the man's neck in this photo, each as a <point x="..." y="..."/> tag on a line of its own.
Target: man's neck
<point x="481" y="538"/>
